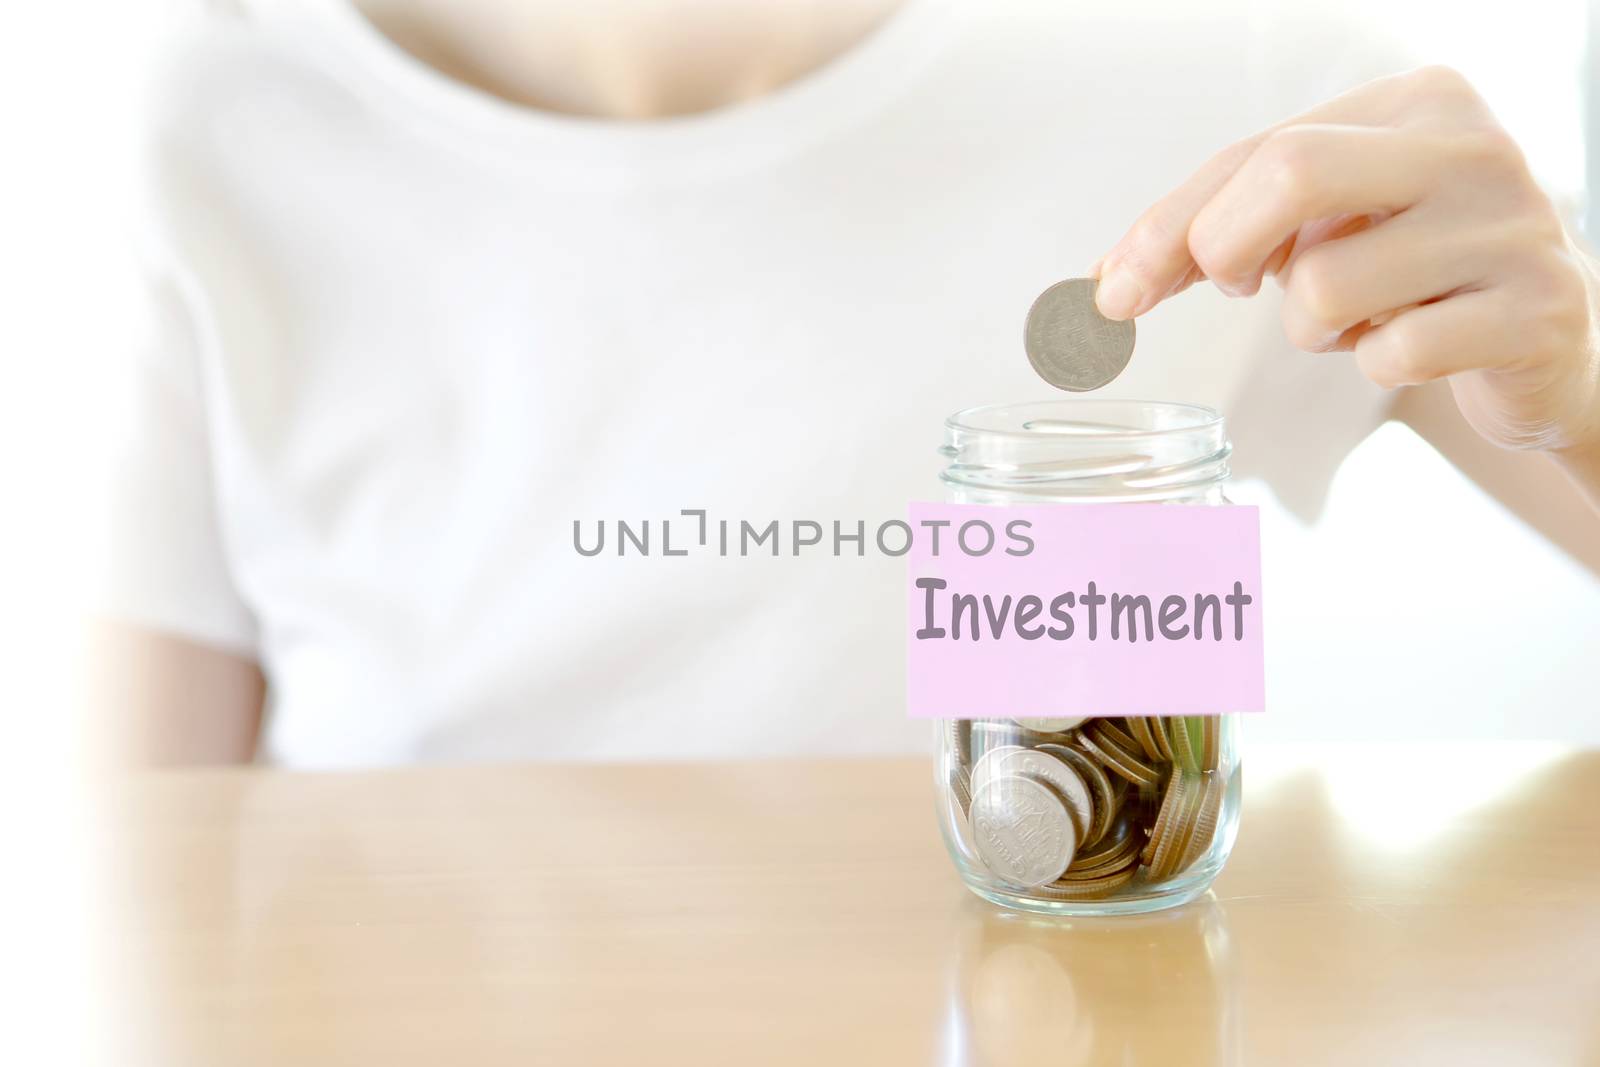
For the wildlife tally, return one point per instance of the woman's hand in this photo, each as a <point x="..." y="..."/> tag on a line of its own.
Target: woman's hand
<point x="1404" y="226"/>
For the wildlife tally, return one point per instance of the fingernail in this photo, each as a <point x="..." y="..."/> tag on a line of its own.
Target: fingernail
<point x="1094" y="271"/>
<point x="1118" y="295"/>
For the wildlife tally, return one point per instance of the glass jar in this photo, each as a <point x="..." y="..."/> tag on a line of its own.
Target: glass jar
<point x="1152" y="803"/>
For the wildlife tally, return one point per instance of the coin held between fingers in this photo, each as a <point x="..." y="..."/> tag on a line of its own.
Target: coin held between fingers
<point x="1118" y="295"/>
<point x="1069" y="343"/>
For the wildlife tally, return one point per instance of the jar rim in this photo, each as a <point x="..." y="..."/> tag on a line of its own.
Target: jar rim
<point x="1194" y="417"/>
<point x="1100" y="448"/>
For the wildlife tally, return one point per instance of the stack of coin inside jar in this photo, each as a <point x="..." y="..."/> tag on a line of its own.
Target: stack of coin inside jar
<point x="1076" y="809"/>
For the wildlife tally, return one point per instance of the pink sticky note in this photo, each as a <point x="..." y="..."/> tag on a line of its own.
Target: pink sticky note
<point x="1177" y="633"/>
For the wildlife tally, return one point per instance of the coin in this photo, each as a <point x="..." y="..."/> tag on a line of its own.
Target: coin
<point x="1170" y="849"/>
<point x="1048" y="726"/>
<point x="1124" y="853"/>
<point x="1143" y="731"/>
<point x="1195" y="804"/>
<point x="1070" y="344"/>
<point x="1171" y="800"/>
<point x="1139" y="794"/>
<point x="1022" y="831"/>
<point x="1058" y="775"/>
<point x="983" y="770"/>
<point x="1086" y="890"/>
<point x="1104" y="793"/>
<point x="1183" y="747"/>
<point x="961" y="788"/>
<point x="1116" y="731"/>
<point x="1158" y="730"/>
<point x="1126" y="860"/>
<point x="1100" y="744"/>
<point x="992" y="733"/>
<point x="1205" y="827"/>
<point x="958" y="734"/>
<point x="1116" y="840"/>
<point x="1210" y="740"/>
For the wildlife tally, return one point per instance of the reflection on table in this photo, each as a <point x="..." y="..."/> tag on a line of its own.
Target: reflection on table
<point x="1155" y="988"/>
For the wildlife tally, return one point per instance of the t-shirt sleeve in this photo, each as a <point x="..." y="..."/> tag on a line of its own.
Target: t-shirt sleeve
<point x="1296" y="416"/>
<point x="165" y="563"/>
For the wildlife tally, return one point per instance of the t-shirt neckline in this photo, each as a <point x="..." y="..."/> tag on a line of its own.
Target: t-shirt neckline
<point x="634" y="151"/>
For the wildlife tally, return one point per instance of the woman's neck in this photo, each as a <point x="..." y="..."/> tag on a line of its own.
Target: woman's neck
<point x="626" y="59"/>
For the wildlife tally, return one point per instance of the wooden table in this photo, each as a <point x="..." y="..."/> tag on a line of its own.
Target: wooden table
<point x="1382" y="903"/>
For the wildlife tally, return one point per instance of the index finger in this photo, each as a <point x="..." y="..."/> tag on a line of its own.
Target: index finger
<point x="1152" y="262"/>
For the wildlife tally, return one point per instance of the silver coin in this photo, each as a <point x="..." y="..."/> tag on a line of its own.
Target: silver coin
<point x="992" y="733"/>
<point x="1022" y="831"/>
<point x="1055" y="773"/>
<point x="961" y="788"/>
<point x="958" y="735"/>
<point x="983" y="770"/>
<point x="1070" y="344"/>
<point x="1106" y="798"/>
<point x="961" y="793"/>
<point x="1049" y="726"/>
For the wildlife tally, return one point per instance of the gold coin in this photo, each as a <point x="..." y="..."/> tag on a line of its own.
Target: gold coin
<point x="1139" y="726"/>
<point x="1101" y="743"/>
<point x="1210" y="743"/>
<point x="1180" y="827"/>
<point x="1158" y="727"/>
<point x="1117" y="732"/>
<point x="1127" y="862"/>
<point x="1205" y="827"/>
<point x="1086" y="890"/>
<point x="1183" y="751"/>
<point x="1106" y="734"/>
<point x="1196" y="804"/>
<point x="1126" y="854"/>
<point x="1115" y="841"/>
<point x="1170" y="801"/>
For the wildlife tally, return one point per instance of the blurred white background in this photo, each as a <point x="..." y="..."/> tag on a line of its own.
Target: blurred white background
<point x="1486" y="630"/>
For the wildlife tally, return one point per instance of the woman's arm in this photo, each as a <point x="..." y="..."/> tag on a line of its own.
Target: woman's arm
<point x="1532" y="486"/>
<point x="158" y="699"/>
<point x="1582" y="467"/>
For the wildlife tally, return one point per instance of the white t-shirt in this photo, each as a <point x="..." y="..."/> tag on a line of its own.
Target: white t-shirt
<point x="408" y="334"/>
